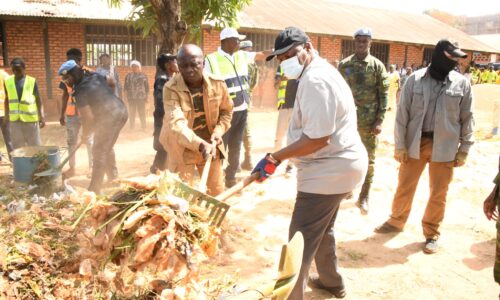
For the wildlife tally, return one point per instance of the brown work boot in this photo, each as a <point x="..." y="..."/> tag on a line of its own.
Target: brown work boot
<point x="337" y="292"/>
<point x="387" y="228"/>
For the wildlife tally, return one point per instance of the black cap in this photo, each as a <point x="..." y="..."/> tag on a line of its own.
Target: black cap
<point x="452" y="48"/>
<point x="287" y="39"/>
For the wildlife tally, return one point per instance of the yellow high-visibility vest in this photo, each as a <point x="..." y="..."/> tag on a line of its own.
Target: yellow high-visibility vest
<point x="235" y="75"/>
<point x="281" y="91"/>
<point x="24" y="109"/>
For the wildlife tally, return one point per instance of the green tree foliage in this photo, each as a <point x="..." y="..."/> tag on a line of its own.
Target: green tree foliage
<point x="172" y="20"/>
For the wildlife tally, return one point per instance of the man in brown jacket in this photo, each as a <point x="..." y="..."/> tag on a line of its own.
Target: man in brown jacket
<point x="198" y="112"/>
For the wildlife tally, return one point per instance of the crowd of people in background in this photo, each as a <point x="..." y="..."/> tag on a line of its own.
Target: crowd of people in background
<point x="331" y="113"/>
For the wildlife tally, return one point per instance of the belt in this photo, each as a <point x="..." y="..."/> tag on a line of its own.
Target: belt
<point x="428" y="134"/>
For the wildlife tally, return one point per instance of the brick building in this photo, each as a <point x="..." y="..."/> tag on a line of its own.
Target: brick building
<point x="40" y="31"/>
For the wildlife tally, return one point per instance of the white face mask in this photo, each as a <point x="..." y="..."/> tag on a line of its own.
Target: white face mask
<point x="291" y="67"/>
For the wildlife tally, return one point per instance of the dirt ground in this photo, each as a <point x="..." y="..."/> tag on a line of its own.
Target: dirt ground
<point x="374" y="266"/>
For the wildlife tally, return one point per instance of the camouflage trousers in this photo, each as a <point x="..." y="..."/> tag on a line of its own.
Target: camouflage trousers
<point x="370" y="141"/>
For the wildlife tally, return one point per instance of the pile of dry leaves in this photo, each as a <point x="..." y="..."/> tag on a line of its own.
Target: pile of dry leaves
<point x="141" y="243"/>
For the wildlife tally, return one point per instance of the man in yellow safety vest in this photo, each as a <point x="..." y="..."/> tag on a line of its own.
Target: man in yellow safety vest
<point x="231" y="64"/>
<point x="4" y="125"/>
<point x="23" y="107"/>
<point x="287" y="90"/>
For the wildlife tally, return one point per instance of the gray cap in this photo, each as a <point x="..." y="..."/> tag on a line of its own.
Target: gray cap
<point x="363" y="31"/>
<point x="246" y="44"/>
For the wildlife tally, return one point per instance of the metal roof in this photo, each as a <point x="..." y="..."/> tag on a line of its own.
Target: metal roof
<point x="329" y="17"/>
<point x="71" y="9"/>
<point x="490" y="39"/>
<point x="315" y="16"/>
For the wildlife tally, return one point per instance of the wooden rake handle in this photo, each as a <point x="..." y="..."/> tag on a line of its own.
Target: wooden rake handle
<point x="202" y="186"/>
<point x="238" y="187"/>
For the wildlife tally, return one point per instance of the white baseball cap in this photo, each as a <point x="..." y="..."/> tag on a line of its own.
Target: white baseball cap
<point x="231" y="33"/>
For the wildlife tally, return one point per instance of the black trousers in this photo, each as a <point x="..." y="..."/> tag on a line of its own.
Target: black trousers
<point x="6" y="135"/>
<point x="314" y="216"/>
<point x="139" y="106"/>
<point x="104" y="161"/>
<point x="160" y="161"/>
<point x="233" y="139"/>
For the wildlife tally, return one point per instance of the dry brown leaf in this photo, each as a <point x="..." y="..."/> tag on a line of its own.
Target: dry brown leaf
<point x="151" y="226"/>
<point x="32" y="249"/>
<point x="145" y="248"/>
<point x="86" y="268"/>
<point x="101" y="240"/>
<point x="158" y="285"/>
<point x="112" y="229"/>
<point x="135" y="218"/>
<point x="149" y="183"/>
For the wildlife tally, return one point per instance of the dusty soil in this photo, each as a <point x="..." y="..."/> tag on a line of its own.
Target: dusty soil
<point x="374" y="266"/>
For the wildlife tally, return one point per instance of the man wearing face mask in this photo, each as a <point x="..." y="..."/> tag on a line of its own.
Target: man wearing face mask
<point x="369" y="82"/>
<point x="326" y="148"/>
<point x="434" y="125"/>
<point x="230" y="63"/>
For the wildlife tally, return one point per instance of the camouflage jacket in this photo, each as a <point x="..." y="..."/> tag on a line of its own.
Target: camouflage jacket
<point x="253" y="76"/>
<point x="369" y="84"/>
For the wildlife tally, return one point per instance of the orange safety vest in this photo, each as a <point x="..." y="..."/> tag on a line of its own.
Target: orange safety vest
<point x="71" y="106"/>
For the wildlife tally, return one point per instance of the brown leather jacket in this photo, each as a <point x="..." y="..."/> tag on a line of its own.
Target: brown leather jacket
<point x="177" y="136"/>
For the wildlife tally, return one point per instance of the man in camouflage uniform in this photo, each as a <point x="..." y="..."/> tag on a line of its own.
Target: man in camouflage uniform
<point x="253" y="77"/>
<point x="368" y="79"/>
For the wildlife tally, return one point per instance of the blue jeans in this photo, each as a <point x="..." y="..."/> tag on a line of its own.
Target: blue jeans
<point x="233" y="139"/>
<point x="73" y="125"/>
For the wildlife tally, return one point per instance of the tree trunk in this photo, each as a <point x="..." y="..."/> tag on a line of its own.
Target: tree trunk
<point x="171" y="29"/>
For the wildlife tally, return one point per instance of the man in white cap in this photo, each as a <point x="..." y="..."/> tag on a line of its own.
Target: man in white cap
<point x="368" y="80"/>
<point x="136" y="93"/>
<point x="231" y="64"/>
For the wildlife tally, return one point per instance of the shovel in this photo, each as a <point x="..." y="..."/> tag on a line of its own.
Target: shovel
<point x="56" y="171"/>
<point x="215" y="206"/>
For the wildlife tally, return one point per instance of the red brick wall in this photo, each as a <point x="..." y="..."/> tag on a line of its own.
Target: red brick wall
<point x="396" y="54"/>
<point x="415" y="56"/>
<point x="62" y="36"/>
<point x="331" y="48"/>
<point x="210" y="40"/>
<point x="25" y="40"/>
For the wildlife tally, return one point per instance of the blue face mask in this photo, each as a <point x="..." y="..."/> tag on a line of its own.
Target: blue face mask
<point x="291" y="67"/>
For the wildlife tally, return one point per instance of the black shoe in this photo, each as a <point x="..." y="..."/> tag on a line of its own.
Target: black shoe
<point x="247" y="165"/>
<point x="337" y="292"/>
<point x="363" y="205"/>
<point x="387" y="228"/>
<point x="431" y="246"/>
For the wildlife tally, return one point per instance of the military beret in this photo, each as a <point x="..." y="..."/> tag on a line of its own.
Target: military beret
<point x="66" y="67"/>
<point x="364" y="32"/>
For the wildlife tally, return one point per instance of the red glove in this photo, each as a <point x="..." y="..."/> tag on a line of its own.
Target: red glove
<point x="266" y="167"/>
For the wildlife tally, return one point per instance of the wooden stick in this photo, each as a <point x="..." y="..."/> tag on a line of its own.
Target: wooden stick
<point x="202" y="186"/>
<point x="237" y="187"/>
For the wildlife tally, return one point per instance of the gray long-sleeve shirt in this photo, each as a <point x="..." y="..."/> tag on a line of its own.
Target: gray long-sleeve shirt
<point x="453" y="116"/>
